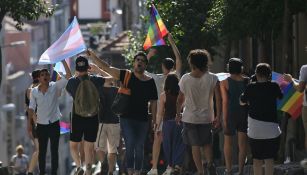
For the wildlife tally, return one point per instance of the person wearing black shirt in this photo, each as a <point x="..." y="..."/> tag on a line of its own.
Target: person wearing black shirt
<point x="263" y="128"/>
<point x="134" y="123"/>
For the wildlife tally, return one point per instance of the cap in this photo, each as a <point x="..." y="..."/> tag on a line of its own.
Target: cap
<point x="81" y="64"/>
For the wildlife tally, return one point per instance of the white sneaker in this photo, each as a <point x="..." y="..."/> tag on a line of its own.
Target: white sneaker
<point x="168" y="171"/>
<point x="153" y="172"/>
<point x="304" y="163"/>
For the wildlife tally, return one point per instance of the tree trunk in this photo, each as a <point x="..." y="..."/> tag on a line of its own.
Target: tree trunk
<point x="285" y="38"/>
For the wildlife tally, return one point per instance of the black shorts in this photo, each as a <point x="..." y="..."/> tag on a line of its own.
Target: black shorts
<point x="84" y="127"/>
<point x="197" y="134"/>
<point x="236" y="122"/>
<point x="264" y="148"/>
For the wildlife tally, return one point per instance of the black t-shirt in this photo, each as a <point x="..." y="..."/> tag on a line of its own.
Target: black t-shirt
<point x="108" y="116"/>
<point x="141" y="93"/>
<point x="261" y="97"/>
<point x="98" y="81"/>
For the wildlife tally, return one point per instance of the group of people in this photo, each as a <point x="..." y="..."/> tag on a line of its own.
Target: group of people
<point x="184" y="112"/>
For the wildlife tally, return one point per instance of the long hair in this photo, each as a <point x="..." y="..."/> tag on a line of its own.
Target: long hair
<point x="171" y="84"/>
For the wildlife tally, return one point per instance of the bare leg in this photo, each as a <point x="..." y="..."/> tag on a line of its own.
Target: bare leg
<point x="82" y="153"/>
<point x="257" y="167"/>
<point x="197" y="159"/>
<point x="34" y="158"/>
<point x="101" y="155"/>
<point x="208" y="153"/>
<point x="74" y="151"/>
<point x="89" y="154"/>
<point x="111" y="161"/>
<point x="269" y="170"/>
<point x="156" y="149"/>
<point x="228" y="152"/>
<point x="242" y="139"/>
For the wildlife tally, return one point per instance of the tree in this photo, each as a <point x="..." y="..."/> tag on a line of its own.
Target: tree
<point x="262" y="20"/>
<point x="22" y="10"/>
<point x="185" y="19"/>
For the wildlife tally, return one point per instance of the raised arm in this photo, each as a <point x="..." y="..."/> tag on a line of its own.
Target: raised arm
<point x="114" y="72"/>
<point x="67" y="70"/>
<point x="94" y="69"/>
<point x="177" y="54"/>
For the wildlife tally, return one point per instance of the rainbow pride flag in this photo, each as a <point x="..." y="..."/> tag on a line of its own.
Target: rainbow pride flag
<point x="64" y="127"/>
<point x="156" y="30"/>
<point x="292" y="102"/>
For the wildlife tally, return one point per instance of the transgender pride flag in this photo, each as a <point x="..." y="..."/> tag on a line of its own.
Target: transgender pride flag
<point x="69" y="44"/>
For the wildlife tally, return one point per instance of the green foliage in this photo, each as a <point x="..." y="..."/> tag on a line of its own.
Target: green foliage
<point x="21" y="10"/>
<point x="97" y="28"/>
<point x="135" y="44"/>
<point x="236" y="19"/>
<point x="185" y="19"/>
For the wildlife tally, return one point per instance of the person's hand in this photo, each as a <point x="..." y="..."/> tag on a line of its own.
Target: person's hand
<point x="178" y="118"/>
<point x="94" y="69"/>
<point x="29" y="129"/>
<point x="90" y="53"/>
<point x="216" y="122"/>
<point x="157" y="133"/>
<point x="152" y="52"/>
<point x="35" y="119"/>
<point x="288" y="78"/>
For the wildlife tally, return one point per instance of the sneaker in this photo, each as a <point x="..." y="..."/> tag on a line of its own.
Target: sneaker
<point x="304" y="163"/>
<point x="153" y="172"/>
<point x="168" y="171"/>
<point x="177" y="170"/>
<point x="212" y="169"/>
<point x="79" y="171"/>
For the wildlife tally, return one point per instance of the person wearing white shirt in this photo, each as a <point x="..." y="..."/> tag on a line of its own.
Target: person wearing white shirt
<point x="44" y="98"/>
<point x="197" y="89"/>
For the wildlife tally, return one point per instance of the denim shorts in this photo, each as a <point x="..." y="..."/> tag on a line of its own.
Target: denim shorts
<point x="197" y="134"/>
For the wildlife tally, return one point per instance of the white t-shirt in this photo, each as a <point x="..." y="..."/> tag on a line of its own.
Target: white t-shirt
<point x="47" y="104"/>
<point x="262" y="130"/>
<point x="159" y="80"/>
<point x="20" y="163"/>
<point x="198" y="93"/>
<point x="303" y="77"/>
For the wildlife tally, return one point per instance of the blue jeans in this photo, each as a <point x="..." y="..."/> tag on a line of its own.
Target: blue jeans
<point x="134" y="133"/>
<point x="173" y="146"/>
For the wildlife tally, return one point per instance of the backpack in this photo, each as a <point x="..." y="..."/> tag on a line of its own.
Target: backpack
<point x="87" y="98"/>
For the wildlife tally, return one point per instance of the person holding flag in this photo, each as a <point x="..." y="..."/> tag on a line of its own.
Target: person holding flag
<point x="44" y="99"/>
<point x="168" y="66"/>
